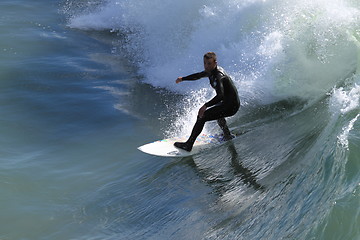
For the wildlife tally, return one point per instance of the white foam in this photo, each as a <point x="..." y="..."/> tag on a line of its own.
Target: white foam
<point x="345" y="105"/>
<point x="343" y="137"/>
<point x="347" y="100"/>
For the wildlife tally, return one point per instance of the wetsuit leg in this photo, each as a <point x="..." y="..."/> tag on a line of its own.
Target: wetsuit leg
<point x="214" y="113"/>
<point x="224" y="127"/>
<point x="197" y="129"/>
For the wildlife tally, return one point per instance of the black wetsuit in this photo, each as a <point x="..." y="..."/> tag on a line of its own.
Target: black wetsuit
<point x="226" y="102"/>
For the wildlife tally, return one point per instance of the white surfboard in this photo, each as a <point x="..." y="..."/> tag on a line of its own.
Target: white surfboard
<point x="166" y="148"/>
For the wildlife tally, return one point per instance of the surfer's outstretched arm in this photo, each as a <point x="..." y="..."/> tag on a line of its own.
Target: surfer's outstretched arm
<point x="192" y="77"/>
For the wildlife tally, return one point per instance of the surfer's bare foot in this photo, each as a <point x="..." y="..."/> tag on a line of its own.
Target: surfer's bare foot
<point x="183" y="145"/>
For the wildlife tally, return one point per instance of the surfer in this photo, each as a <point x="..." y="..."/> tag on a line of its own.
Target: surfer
<point x="225" y="104"/>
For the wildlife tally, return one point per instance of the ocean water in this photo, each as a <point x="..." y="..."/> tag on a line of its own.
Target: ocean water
<point x="84" y="83"/>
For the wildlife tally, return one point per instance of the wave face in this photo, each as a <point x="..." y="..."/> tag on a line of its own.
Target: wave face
<point x="296" y="65"/>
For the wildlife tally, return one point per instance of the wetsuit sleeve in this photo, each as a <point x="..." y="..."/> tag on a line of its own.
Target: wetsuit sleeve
<point x="195" y="76"/>
<point x="219" y="93"/>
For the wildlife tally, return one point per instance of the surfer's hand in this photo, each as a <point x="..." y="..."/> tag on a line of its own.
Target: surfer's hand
<point x="202" y="111"/>
<point x="179" y="80"/>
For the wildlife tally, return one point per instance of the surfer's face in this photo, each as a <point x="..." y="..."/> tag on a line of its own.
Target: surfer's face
<point x="209" y="64"/>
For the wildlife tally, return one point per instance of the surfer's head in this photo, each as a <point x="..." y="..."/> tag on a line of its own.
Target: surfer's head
<point x="210" y="62"/>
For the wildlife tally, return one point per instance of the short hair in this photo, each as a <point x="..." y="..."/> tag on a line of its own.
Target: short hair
<point x="210" y="55"/>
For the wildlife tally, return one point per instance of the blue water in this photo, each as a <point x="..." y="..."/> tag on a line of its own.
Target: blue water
<point x="84" y="83"/>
